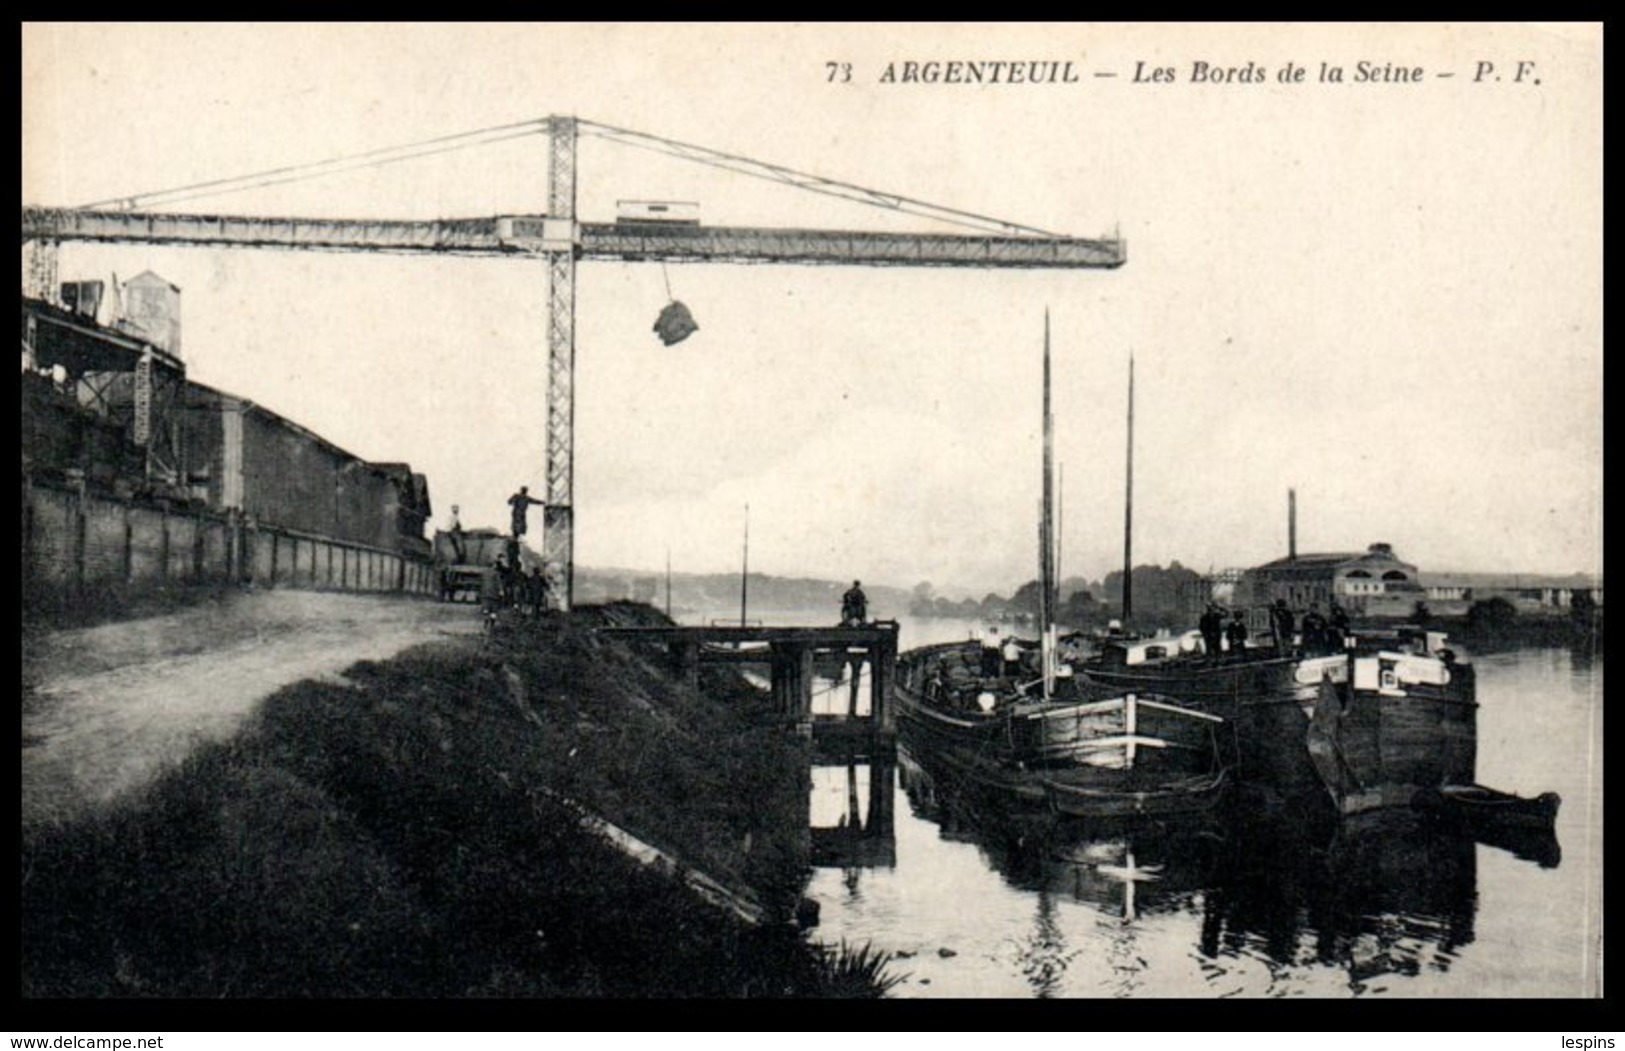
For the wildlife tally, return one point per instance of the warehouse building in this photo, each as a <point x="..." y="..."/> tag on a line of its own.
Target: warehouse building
<point x="135" y="475"/>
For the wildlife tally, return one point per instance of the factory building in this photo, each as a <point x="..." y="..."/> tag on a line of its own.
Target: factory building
<point x="133" y="474"/>
<point x="1372" y="583"/>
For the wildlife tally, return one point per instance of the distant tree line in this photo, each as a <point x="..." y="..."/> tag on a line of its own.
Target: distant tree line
<point x="1163" y="597"/>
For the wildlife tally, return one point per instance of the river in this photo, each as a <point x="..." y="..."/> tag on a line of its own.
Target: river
<point x="973" y="902"/>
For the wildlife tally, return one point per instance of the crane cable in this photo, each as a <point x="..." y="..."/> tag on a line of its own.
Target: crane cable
<point x="805" y="181"/>
<point x="541" y="125"/>
<point x="331" y="166"/>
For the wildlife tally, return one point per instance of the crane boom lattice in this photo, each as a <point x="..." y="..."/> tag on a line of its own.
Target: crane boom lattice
<point x="562" y="240"/>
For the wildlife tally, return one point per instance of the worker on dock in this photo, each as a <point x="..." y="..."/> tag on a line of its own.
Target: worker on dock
<point x="992" y="653"/>
<point x="1012" y="656"/>
<point x="1212" y="628"/>
<point x="504" y="574"/>
<point x="1337" y="631"/>
<point x="1235" y="633"/>
<point x="492" y="598"/>
<point x="455" y="532"/>
<point x="521" y="502"/>
<point x="854" y="606"/>
<point x="1281" y="624"/>
<point x="1314" y="630"/>
<point x="544" y="590"/>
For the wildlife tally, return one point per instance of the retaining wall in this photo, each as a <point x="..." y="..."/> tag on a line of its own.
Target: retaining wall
<point x="81" y="547"/>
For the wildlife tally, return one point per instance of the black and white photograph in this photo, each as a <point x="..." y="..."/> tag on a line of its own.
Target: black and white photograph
<point x="527" y="511"/>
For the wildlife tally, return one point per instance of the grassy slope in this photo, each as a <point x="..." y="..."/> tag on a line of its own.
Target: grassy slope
<point x="403" y="835"/>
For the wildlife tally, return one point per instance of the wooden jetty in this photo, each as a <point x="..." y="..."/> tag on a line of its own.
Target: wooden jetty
<point x="792" y="654"/>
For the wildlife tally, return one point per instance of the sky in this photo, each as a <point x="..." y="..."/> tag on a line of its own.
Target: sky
<point x="1386" y="295"/>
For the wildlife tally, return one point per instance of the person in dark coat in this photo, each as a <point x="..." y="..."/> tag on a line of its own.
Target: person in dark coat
<point x="521" y="503"/>
<point x="1282" y="625"/>
<point x="854" y="606"/>
<point x="455" y="532"/>
<point x="1236" y="633"/>
<point x="1212" y="627"/>
<point x="1314" y="630"/>
<point x="1338" y="630"/>
<point x="539" y="589"/>
<point x="992" y="653"/>
<point x="505" y="581"/>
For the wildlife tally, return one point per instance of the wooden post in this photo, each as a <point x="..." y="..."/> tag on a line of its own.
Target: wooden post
<point x="782" y="669"/>
<point x="686" y="654"/>
<point x="28" y="532"/>
<point x="163" y="543"/>
<point x="804" y="682"/>
<point x="77" y="579"/>
<point x="882" y="780"/>
<point x="883" y="657"/>
<point x="129" y="545"/>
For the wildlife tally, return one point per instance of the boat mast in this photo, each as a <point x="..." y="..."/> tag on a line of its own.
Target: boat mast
<point x="668" y="583"/>
<point x="1128" y="506"/>
<point x="744" y="572"/>
<point x="1046" y="543"/>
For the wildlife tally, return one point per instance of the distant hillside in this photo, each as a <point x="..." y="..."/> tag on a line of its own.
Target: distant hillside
<point x="714" y="592"/>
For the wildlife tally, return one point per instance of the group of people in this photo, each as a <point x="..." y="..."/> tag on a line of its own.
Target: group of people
<point x="1317" y="633"/>
<point x="1001" y="655"/>
<point x="509" y="586"/>
<point x="1217" y="630"/>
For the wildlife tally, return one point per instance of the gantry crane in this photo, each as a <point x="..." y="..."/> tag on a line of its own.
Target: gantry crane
<point x="563" y="240"/>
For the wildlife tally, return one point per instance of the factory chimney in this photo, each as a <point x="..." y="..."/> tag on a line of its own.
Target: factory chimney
<point x="1292" y="525"/>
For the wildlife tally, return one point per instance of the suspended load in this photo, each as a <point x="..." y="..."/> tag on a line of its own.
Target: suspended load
<point x="675" y="323"/>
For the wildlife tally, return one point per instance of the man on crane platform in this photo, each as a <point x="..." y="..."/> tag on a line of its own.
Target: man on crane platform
<point x="520" y="502"/>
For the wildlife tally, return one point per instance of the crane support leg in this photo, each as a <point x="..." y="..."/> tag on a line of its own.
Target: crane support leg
<point x="559" y="515"/>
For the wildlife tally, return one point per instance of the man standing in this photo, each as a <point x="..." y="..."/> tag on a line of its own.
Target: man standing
<point x="854" y="606"/>
<point x="1281" y="624"/>
<point x="1338" y="630"/>
<point x="1236" y="634"/>
<point x="539" y="588"/>
<point x="992" y="653"/>
<point x="1212" y="626"/>
<point x="1012" y="656"/>
<point x="520" y="502"/>
<point x="455" y="531"/>
<point x="1314" y="631"/>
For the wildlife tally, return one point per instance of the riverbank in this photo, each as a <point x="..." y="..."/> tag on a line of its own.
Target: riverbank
<point x="426" y="827"/>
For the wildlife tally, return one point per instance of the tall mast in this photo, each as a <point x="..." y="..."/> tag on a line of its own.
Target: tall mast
<point x="668" y="583"/>
<point x="1128" y="506"/>
<point x="1060" y="532"/>
<point x="1046" y="533"/>
<point x="744" y="573"/>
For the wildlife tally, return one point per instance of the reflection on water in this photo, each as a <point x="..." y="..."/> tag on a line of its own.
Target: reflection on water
<point x="981" y="897"/>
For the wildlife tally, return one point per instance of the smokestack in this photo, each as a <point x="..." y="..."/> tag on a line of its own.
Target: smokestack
<point x="1292" y="524"/>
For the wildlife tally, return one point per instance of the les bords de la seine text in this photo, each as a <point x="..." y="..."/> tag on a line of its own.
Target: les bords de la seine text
<point x="1061" y="72"/>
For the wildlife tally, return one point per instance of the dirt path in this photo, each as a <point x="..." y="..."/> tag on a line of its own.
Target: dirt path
<point x="114" y="705"/>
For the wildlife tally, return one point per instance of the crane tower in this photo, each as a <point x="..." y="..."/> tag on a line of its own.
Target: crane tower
<point x="560" y="238"/>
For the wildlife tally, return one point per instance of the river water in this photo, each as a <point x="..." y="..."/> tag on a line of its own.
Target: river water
<point x="976" y="902"/>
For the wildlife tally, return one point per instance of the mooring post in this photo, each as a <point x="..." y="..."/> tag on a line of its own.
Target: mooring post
<point x="686" y="652"/>
<point x="882" y="782"/>
<point x="882" y="669"/>
<point x="804" y="682"/>
<point x="782" y="668"/>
